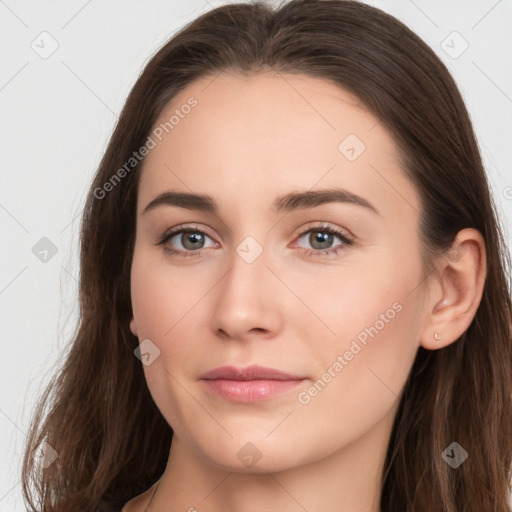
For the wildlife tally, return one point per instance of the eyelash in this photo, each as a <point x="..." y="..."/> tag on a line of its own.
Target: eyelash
<point x="307" y="252"/>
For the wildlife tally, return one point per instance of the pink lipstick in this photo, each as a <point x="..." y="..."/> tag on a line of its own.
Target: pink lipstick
<point x="251" y="384"/>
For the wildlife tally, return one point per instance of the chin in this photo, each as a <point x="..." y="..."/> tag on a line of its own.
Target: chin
<point x="250" y="453"/>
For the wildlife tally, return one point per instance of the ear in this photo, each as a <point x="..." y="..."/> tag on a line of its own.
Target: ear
<point x="455" y="291"/>
<point x="133" y="327"/>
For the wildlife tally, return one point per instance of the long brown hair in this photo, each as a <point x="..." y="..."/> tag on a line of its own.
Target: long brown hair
<point x="97" y="414"/>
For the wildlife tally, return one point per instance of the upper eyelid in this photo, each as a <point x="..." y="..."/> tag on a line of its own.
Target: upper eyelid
<point x="169" y="233"/>
<point x="327" y="227"/>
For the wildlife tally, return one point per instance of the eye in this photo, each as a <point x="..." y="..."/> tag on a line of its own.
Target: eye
<point x="190" y="238"/>
<point x="321" y="239"/>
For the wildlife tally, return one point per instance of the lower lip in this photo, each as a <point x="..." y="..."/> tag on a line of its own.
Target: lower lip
<point x="250" y="390"/>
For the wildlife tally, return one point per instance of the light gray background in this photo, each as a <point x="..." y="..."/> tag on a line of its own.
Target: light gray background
<point x="57" y="114"/>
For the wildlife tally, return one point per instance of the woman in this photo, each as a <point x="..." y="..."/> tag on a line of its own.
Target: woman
<point x="293" y="283"/>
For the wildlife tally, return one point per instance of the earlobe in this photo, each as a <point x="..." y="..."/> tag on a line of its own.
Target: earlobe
<point x="133" y="327"/>
<point x="460" y="284"/>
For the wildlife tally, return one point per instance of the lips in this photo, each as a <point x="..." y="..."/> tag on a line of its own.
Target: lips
<point x="253" y="372"/>
<point x="252" y="384"/>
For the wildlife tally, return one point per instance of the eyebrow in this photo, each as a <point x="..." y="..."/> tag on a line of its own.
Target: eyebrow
<point x="286" y="203"/>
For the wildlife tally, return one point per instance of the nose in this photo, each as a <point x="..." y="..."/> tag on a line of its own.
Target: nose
<point x="248" y="300"/>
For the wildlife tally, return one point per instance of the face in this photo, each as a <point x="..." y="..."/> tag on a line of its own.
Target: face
<point x="326" y="287"/>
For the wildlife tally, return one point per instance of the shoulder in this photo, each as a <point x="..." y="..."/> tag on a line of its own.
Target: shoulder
<point x="136" y="504"/>
<point x="130" y="506"/>
<point x="103" y="507"/>
<point x="139" y="503"/>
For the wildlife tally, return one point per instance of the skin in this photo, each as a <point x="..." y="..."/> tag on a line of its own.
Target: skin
<point x="249" y="140"/>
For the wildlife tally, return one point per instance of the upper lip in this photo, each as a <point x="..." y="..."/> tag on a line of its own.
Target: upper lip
<point x="253" y="372"/>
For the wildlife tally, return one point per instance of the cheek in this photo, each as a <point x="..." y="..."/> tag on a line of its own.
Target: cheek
<point x="362" y="370"/>
<point x="368" y="320"/>
<point x="160" y="296"/>
<point x="371" y="300"/>
<point x="162" y="303"/>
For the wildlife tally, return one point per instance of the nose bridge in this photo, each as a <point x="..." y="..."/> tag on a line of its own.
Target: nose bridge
<point x="249" y="265"/>
<point x="243" y="301"/>
<point x="248" y="272"/>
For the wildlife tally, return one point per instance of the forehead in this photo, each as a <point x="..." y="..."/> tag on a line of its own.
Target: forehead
<point x="248" y="139"/>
